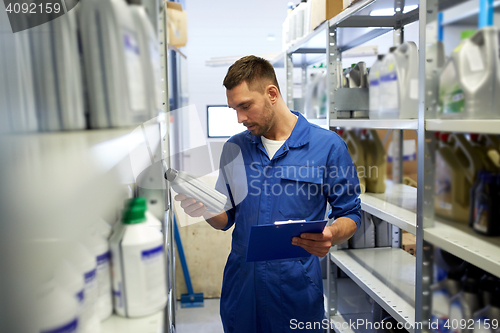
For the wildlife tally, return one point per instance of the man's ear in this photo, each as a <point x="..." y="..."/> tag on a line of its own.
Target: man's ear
<point x="273" y="93"/>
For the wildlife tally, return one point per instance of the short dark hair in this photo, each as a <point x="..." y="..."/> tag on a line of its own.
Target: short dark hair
<point x="254" y="71"/>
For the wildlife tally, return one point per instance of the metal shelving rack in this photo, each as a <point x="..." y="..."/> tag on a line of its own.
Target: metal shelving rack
<point x="404" y="207"/>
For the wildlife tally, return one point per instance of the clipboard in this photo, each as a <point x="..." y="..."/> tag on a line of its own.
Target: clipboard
<point x="274" y="241"/>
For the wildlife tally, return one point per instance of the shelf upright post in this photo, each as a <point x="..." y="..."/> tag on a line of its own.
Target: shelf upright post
<point x="289" y="79"/>
<point x="334" y="70"/>
<point x="168" y="228"/>
<point x="428" y="94"/>
<point x="397" y="135"/>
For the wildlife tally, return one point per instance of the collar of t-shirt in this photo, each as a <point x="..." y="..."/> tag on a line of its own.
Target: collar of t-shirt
<point x="272" y="146"/>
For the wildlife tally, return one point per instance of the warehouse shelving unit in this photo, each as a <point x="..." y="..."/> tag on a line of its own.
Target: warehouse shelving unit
<point x="65" y="179"/>
<point x="404" y="207"/>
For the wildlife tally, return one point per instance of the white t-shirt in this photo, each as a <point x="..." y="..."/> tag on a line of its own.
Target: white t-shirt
<point x="271" y="146"/>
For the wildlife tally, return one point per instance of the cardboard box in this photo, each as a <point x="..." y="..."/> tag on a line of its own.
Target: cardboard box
<point x="322" y="10"/>
<point x="176" y="24"/>
<point x="409" y="243"/>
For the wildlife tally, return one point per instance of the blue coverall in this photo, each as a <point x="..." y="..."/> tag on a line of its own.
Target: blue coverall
<point x="312" y="167"/>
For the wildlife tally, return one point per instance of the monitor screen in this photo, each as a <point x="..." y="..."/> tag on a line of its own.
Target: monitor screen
<point x="222" y="122"/>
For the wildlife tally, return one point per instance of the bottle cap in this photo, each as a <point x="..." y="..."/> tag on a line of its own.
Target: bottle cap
<point x="466" y="34"/>
<point x="444" y="137"/>
<point x="139" y="201"/>
<point x="474" y="137"/>
<point x="134" y="215"/>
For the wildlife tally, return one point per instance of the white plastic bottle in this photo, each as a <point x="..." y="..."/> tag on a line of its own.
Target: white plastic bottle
<point x="468" y="86"/>
<point x="68" y="278"/>
<point x="442" y="292"/>
<point x="80" y="257"/>
<point x="374" y="89"/>
<point x="56" y="310"/>
<point x="113" y="64"/>
<point x="464" y="304"/>
<point x="150" y="57"/>
<point x="99" y="248"/>
<point x="399" y="83"/>
<point x="138" y="266"/>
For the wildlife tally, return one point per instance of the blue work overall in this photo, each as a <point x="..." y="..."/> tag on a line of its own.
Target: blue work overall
<point x="312" y="167"/>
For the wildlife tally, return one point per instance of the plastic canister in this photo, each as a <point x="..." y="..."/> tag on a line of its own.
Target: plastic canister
<point x="375" y="162"/>
<point x="469" y="82"/>
<point x="82" y="260"/>
<point x="374" y="87"/>
<point x="399" y="83"/>
<point x="99" y="248"/>
<point x="485" y="218"/>
<point x="56" y="310"/>
<point x="487" y="287"/>
<point x="492" y="145"/>
<point x="315" y="99"/>
<point x="487" y="320"/>
<point x="457" y="164"/>
<point x="383" y="232"/>
<point x="487" y="154"/>
<point x="110" y="42"/>
<point x="358" y="156"/>
<point x="464" y="304"/>
<point x="150" y="57"/>
<point x="139" y="284"/>
<point x="365" y="235"/>
<point x="68" y="278"/>
<point x="17" y="89"/>
<point x="442" y="292"/>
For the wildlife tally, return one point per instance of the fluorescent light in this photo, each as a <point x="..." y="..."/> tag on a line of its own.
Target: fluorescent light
<point x="409" y="8"/>
<point x="390" y="11"/>
<point x="382" y="12"/>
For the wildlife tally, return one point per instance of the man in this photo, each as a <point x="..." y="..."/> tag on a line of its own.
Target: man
<point x="292" y="168"/>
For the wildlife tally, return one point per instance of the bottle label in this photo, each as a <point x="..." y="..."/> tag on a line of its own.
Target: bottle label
<point x="451" y="95"/>
<point x="154" y="271"/>
<point x="390" y="91"/>
<point x="481" y="212"/>
<point x="68" y="328"/>
<point x="137" y="91"/>
<point x="103" y="274"/>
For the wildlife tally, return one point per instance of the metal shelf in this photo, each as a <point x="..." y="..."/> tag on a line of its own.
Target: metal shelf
<point x="465" y="13"/>
<point x="405" y="124"/>
<point x="460" y="240"/>
<point x="397" y="205"/>
<point x="464" y="125"/>
<point x="341" y="322"/>
<point x="149" y="324"/>
<point x="387" y="275"/>
<point x="313" y="40"/>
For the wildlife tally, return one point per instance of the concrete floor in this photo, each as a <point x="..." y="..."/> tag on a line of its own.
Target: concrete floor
<point x="205" y="319"/>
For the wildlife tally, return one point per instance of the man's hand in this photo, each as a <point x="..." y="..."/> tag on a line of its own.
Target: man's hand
<point x="191" y="206"/>
<point x="319" y="243"/>
<point x="315" y="243"/>
<point x="195" y="208"/>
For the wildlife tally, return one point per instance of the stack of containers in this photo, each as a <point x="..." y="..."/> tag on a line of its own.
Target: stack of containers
<point x="470" y="81"/>
<point x="150" y="58"/>
<point x="17" y="93"/>
<point x="399" y="83"/>
<point x="115" y="79"/>
<point x="58" y="82"/>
